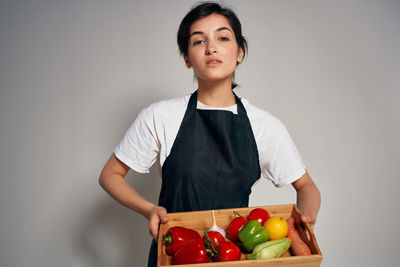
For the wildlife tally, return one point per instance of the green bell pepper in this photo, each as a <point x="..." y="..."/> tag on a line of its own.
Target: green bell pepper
<point x="252" y="234"/>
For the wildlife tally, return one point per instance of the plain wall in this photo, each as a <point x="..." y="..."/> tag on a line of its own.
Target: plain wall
<point x="75" y="74"/>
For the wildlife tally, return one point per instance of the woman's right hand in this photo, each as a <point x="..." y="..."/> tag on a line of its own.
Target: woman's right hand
<point x="156" y="216"/>
<point x="112" y="179"/>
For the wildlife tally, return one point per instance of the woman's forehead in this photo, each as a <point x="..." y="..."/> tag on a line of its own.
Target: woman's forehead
<point x="212" y="22"/>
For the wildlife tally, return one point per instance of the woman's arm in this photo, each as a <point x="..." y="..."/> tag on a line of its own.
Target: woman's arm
<point x="112" y="179"/>
<point x="308" y="198"/>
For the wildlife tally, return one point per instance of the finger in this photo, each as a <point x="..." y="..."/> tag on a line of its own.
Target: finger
<point x="153" y="226"/>
<point x="153" y="230"/>
<point x="163" y="216"/>
<point x="305" y="218"/>
<point x="154" y="234"/>
<point x="308" y="235"/>
<point x="309" y="220"/>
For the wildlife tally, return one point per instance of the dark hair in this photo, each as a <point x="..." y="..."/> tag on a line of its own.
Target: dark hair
<point x="203" y="10"/>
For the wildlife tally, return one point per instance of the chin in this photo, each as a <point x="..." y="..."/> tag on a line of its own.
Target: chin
<point x="215" y="77"/>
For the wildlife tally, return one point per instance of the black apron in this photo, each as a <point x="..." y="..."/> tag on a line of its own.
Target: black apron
<point x="213" y="163"/>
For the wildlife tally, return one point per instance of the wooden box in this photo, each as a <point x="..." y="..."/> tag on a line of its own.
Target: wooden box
<point x="198" y="220"/>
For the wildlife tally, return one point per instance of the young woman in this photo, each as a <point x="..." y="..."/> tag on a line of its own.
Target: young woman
<point x="212" y="145"/>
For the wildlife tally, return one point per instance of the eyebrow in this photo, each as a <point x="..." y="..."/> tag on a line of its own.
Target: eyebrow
<point x="217" y="30"/>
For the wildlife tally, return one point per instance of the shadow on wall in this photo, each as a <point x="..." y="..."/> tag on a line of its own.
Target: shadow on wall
<point x="113" y="235"/>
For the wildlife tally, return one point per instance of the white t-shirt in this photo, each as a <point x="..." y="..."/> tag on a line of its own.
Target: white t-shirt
<point x="152" y="134"/>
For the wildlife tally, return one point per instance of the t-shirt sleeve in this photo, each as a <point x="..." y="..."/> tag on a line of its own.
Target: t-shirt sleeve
<point x="139" y="147"/>
<point x="285" y="164"/>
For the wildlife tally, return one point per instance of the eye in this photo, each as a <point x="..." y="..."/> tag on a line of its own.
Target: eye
<point x="197" y="42"/>
<point x="223" y="38"/>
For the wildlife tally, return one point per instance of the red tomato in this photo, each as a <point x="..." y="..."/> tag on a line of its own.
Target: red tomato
<point x="260" y="215"/>
<point x="235" y="226"/>
<point x="228" y="251"/>
<point x="215" y="237"/>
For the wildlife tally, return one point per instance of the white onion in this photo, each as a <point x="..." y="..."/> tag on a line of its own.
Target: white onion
<point x="215" y="227"/>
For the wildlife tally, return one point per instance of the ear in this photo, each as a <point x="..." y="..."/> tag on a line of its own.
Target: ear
<point x="187" y="62"/>
<point x="240" y="55"/>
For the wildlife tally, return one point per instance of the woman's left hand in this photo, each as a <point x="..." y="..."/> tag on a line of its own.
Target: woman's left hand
<point x="309" y="220"/>
<point x="308" y="198"/>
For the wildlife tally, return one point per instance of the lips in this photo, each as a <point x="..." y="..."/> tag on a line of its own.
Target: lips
<point x="213" y="62"/>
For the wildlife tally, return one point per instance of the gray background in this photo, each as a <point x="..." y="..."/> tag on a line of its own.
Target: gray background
<point x="75" y="74"/>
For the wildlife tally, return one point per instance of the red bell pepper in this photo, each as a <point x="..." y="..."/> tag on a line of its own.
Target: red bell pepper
<point x="192" y="252"/>
<point x="178" y="236"/>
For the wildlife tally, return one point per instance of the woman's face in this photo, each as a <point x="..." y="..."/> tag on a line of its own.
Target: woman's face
<point x="213" y="52"/>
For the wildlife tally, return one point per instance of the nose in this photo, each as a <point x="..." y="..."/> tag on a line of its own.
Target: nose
<point x="210" y="51"/>
<point x="211" y="48"/>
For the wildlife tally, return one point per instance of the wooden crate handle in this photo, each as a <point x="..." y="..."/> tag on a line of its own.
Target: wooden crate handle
<point x="303" y="229"/>
<point x="311" y="239"/>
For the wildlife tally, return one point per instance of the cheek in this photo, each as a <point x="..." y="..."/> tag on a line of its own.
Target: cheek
<point x="232" y="52"/>
<point x="194" y="55"/>
<point x="232" y="56"/>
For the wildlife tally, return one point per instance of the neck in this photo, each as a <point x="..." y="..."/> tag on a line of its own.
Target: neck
<point x="216" y="94"/>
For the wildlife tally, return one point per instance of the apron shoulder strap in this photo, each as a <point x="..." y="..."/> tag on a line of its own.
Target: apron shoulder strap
<point x="240" y="108"/>
<point x="192" y="101"/>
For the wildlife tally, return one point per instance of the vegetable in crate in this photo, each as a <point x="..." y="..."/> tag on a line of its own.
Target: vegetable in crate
<point x="228" y="251"/>
<point x="191" y="252"/>
<point x="212" y="239"/>
<point x="177" y="236"/>
<point x="219" y="249"/>
<point x="235" y="226"/>
<point x="270" y="249"/>
<point x="259" y="214"/>
<point x="299" y="248"/>
<point x="253" y="234"/>
<point x="215" y="227"/>
<point x="277" y="227"/>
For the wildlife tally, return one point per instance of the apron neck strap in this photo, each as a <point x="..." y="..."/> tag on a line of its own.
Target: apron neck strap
<point x="193" y="103"/>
